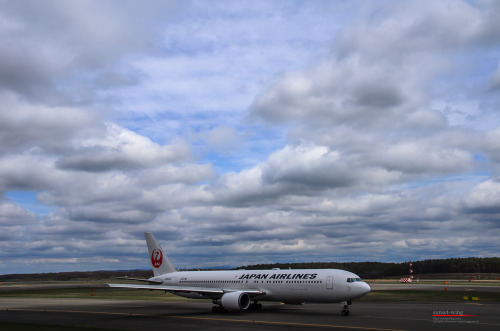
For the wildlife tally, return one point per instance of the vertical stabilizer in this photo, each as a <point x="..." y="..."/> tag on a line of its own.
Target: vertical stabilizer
<point x="160" y="262"/>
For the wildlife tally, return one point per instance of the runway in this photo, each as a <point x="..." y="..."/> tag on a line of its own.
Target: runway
<point x="191" y="315"/>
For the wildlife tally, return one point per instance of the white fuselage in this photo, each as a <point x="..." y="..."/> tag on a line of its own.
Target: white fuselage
<point x="289" y="286"/>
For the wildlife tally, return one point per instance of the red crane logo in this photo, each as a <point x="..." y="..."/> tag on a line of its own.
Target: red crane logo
<point x="156" y="258"/>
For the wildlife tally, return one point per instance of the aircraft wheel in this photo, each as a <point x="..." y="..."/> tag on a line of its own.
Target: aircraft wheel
<point x="218" y="309"/>
<point x="255" y="307"/>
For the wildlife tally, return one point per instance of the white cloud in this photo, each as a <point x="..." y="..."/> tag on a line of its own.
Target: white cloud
<point x="223" y="139"/>
<point x="418" y="157"/>
<point x="485" y="197"/>
<point x="12" y="214"/>
<point x="122" y="149"/>
<point x="299" y="130"/>
<point x="25" y="125"/>
<point x="56" y="51"/>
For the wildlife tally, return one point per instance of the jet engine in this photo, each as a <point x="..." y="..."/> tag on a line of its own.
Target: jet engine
<point x="235" y="301"/>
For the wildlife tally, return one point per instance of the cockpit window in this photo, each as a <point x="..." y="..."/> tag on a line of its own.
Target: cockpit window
<point x="352" y="280"/>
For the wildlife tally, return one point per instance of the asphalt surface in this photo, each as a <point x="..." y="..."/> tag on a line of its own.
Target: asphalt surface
<point x="195" y="315"/>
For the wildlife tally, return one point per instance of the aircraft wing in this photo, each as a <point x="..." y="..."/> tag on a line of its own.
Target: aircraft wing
<point x="140" y="280"/>
<point x="201" y="290"/>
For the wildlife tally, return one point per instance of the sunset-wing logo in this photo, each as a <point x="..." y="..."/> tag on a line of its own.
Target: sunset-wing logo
<point x="156" y="258"/>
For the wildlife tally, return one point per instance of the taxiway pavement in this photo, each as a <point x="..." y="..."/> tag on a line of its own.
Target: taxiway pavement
<point x="193" y="315"/>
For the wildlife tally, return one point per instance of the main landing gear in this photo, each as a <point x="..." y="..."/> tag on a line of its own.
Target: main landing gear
<point x="255" y="306"/>
<point x="345" y="308"/>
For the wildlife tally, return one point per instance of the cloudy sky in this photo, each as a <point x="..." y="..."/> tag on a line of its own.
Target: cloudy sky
<point x="244" y="132"/>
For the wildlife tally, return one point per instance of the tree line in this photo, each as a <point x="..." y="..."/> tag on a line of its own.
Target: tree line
<point x="371" y="270"/>
<point x="368" y="270"/>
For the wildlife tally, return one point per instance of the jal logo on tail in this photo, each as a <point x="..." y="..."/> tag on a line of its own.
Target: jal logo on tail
<point x="156" y="258"/>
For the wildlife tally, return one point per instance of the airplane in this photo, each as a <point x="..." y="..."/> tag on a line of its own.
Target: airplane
<point x="242" y="290"/>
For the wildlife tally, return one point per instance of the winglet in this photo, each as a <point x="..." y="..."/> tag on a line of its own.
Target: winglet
<point x="160" y="262"/>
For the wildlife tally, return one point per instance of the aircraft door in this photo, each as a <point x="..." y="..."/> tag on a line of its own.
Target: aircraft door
<point x="329" y="283"/>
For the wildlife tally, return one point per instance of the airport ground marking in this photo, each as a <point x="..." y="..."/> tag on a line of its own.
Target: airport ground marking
<point x="75" y="311"/>
<point x="203" y="318"/>
<point x="287" y="323"/>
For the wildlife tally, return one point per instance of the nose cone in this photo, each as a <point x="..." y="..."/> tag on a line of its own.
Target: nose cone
<point x="359" y="289"/>
<point x="365" y="289"/>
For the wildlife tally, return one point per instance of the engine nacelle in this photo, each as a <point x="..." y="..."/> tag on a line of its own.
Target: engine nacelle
<point x="235" y="301"/>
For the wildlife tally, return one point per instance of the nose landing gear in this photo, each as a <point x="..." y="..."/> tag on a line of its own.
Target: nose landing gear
<point x="345" y="305"/>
